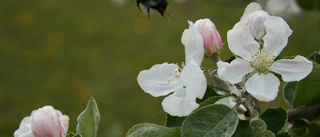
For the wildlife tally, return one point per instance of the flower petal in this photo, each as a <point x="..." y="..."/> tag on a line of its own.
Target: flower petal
<point x="178" y="104"/>
<point x="234" y="71"/>
<point x="44" y="124"/>
<point x="193" y="42"/>
<point x="263" y="87"/>
<point x="211" y="37"/>
<point x="277" y="35"/>
<point x="24" y="128"/>
<point x="241" y="42"/>
<point x="251" y="8"/>
<point x="292" y="69"/>
<point x="194" y="80"/>
<point x="155" y="80"/>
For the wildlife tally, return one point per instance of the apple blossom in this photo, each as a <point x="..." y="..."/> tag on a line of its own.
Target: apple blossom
<point x="258" y="58"/>
<point x="187" y="82"/>
<point x="211" y="37"/>
<point x="44" y="122"/>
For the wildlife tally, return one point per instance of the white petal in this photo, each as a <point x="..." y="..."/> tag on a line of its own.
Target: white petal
<point x="155" y="80"/>
<point x="230" y="102"/>
<point x="277" y="35"/>
<point x="194" y="80"/>
<point x="263" y="87"/>
<point x="234" y="71"/>
<point x="178" y="105"/>
<point x="251" y="8"/>
<point x="193" y="42"/>
<point x="292" y="69"/>
<point x="24" y="128"/>
<point x="241" y="42"/>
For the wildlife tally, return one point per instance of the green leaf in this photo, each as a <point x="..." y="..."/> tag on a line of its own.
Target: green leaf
<point x="314" y="130"/>
<point x="152" y="130"/>
<point x="300" y="127"/>
<point x="88" y="120"/>
<point x="288" y="92"/>
<point x="275" y="118"/>
<point x="308" y="89"/>
<point x="210" y="121"/>
<point x="243" y="129"/>
<point x="316" y="55"/>
<point x="259" y="128"/>
<point x="174" y="121"/>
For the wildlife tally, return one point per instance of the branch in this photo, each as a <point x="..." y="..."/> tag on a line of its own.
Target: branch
<point x="308" y="112"/>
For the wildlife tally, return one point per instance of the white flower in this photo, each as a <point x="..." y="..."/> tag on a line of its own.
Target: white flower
<point x="187" y="82"/>
<point x="257" y="59"/>
<point x="44" y="122"/>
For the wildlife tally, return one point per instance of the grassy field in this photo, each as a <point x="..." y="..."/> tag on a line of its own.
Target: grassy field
<point x="61" y="53"/>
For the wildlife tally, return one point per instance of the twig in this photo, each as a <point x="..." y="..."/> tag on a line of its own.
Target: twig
<point x="308" y="112"/>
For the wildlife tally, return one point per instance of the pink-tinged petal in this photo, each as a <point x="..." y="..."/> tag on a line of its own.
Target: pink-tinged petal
<point x="241" y="42"/>
<point x="24" y="128"/>
<point x="211" y="37"/>
<point x="193" y="78"/>
<point x="254" y="17"/>
<point x="250" y="9"/>
<point x="234" y="71"/>
<point x="155" y="81"/>
<point x="292" y="69"/>
<point x="64" y="123"/>
<point x="178" y="104"/>
<point x="256" y="24"/>
<point x="44" y="125"/>
<point x="263" y="87"/>
<point x="277" y="35"/>
<point x="193" y="43"/>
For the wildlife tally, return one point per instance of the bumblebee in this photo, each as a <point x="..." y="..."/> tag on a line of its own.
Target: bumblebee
<point x="160" y="5"/>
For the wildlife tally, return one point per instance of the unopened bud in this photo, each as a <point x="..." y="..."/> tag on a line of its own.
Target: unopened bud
<point x="211" y="38"/>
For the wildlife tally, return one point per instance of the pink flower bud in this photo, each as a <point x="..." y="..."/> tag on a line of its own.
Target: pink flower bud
<point x="211" y="37"/>
<point x="254" y="17"/>
<point x="44" y="122"/>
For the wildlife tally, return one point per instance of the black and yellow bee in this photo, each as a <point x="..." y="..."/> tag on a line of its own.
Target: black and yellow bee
<point x="160" y="5"/>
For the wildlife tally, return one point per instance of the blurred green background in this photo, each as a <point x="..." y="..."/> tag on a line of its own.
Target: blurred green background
<point x="60" y="53"/>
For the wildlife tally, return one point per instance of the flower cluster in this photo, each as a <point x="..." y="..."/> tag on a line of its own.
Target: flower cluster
<point x="256" y="40"/>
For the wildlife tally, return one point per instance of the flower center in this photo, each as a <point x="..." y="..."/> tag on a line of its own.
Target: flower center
<point x="261" y="62"/>
<point x="177" y="73"/>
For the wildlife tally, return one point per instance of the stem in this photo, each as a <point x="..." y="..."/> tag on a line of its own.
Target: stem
<point x="308" y="112"/>
<point x="216" y="87"/>
<point x="215" y="57"/>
